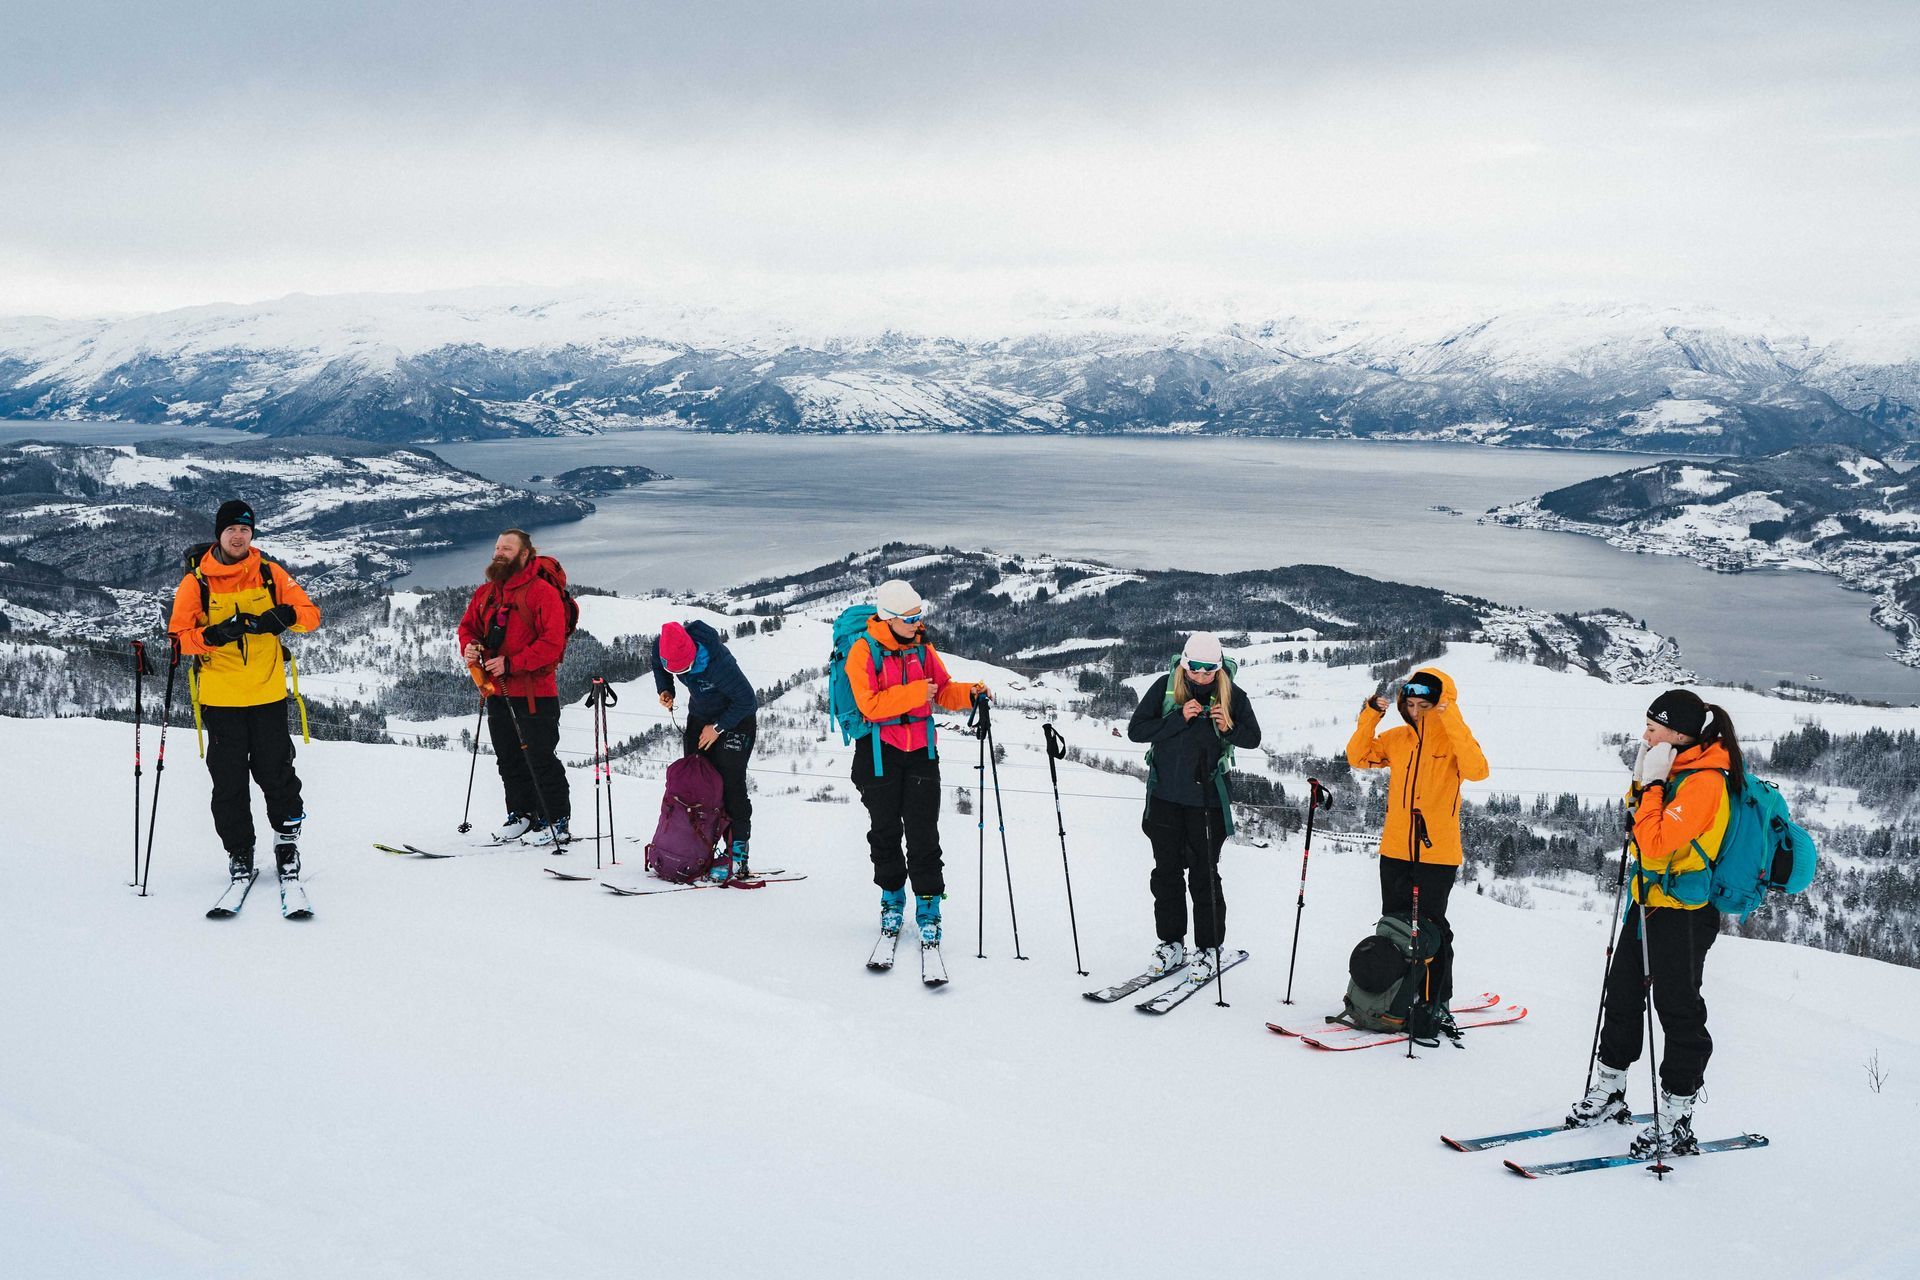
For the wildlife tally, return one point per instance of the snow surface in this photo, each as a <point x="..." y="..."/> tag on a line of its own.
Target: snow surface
<point x="464" y="1068"/>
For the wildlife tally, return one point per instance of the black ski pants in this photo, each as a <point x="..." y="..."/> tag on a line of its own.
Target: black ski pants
<point x="1677" y="945"/>
<point x="521" y="772"/>
<point x="1397" y="878"/>
<point x="1186" y="856"/>
<point x="729" y="754"/>
<point x="903" y="799"/>
<point x="243" y="742"/>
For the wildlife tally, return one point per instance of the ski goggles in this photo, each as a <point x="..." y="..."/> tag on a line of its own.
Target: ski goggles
<point x="1420" y="689"/>
<point x="1197" y="667"/>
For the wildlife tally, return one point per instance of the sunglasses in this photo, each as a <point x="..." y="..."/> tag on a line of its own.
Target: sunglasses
<point x="1201" y="668"/>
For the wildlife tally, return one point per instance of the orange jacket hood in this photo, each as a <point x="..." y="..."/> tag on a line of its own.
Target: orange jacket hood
<point x="1427" y="766"/>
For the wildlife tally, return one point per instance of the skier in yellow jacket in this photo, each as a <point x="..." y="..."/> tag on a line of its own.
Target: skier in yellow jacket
<point x="1429" y="756"/>
<point x="229" y="612"/>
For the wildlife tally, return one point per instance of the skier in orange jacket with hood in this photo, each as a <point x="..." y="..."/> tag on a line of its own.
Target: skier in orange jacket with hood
<point x="1429" y="756"/>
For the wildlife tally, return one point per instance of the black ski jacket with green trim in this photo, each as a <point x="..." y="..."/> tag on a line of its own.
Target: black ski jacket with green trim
<point x="1186" y="752"/>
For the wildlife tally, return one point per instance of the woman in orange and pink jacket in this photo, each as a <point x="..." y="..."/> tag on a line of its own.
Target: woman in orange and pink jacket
<point x="1429" y="756"/>
<point x="899" y="681"/>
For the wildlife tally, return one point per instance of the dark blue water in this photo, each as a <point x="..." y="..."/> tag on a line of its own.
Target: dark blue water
<point x="748" y="507"/>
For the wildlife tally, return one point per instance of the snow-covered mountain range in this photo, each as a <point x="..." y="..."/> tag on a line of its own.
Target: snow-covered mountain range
<point x="484" y="363"/>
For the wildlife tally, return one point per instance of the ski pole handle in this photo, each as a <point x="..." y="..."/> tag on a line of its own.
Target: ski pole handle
<point x="1056" y="751"/>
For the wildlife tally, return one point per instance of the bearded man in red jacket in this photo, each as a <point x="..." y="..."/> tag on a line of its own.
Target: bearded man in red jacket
<point x="512" y="638"/>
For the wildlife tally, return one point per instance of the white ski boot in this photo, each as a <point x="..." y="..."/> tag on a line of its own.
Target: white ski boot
<point x="1167" y="957"/>
<point x="1605" y="1103"/>
<point x="1671" y="1133"/>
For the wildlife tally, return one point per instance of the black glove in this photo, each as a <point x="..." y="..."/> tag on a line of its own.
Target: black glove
<point x="223" y="633"/>
<point x="270" y="623"/>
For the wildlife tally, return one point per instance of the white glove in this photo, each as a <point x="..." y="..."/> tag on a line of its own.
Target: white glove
<point x="1653" y="764"/>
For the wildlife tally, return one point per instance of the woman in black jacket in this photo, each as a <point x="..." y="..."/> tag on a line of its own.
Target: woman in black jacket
<point x="1191" y="716"/>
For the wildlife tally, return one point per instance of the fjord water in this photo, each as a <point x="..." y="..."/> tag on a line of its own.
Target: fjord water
<point x="741" y="508"/>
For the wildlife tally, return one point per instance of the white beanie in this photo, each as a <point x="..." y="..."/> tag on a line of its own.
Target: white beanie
<point x="895" y="599"/>
<point x="1202" y="646"/>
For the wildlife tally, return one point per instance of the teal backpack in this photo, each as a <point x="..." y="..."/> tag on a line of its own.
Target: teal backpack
<point x="1763" y="851"/>
<point x="1220" y="770"/>
<point x="849" y="628"/>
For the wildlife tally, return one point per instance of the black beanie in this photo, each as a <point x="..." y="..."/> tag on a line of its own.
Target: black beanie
<point x="232" y="512"/>
<point x="1422" y="684"/>
<point x="1681" y="710"/>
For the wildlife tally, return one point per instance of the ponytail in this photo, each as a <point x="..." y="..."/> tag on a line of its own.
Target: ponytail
<point x="1720" y="729"/>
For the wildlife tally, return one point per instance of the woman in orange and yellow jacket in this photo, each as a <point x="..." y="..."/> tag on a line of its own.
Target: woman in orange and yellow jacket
<point x="1429" y="757"/>
<point x="1689" y="763"/>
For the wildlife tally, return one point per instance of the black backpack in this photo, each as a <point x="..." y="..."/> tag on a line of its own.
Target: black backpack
<point x="1385" y="982"/>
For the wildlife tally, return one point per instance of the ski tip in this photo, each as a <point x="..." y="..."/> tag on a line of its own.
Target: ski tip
<point x="1521" y="1169"/>
<point x="1454" y="1143"/>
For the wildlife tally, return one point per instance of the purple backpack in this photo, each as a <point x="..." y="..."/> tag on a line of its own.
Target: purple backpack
<point x="693" y="822"/>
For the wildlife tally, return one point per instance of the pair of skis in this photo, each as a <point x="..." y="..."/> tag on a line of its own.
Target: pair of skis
<point x="933" y="965"/>
<point x="756" y="880"/>
<point x="293" y="899"/>
<point x="491" y="846"/>
<point x="1338" y="1037"/>
<point x="1554" y="1169"/>
<point x="1173" y="997"/>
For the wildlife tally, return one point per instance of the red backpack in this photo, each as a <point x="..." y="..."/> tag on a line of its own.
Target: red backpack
<point x="548" y="568"/>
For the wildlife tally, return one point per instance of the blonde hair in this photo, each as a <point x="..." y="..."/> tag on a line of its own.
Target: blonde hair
<point x="1222" y="681"/>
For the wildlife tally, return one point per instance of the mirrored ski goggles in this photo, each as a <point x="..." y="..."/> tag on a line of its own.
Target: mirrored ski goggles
<point x="1199" y="668"/>
<point x="1420" y="690"/>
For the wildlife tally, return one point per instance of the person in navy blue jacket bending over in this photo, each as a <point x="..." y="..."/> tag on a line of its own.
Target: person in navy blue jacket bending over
<point x="720" y="719"/>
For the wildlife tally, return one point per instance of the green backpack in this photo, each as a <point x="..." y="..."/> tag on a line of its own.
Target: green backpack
<point x="1220" y="770"/>
<point x="1384" y="981"/>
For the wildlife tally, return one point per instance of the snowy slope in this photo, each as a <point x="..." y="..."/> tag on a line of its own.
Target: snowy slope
<point x="462" y="1068"/>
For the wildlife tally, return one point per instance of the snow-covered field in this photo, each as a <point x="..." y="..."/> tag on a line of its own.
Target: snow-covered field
<point x="464" y="1068"/>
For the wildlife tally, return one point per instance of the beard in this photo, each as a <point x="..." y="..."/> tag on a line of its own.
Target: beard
<point x="502" y="569"/>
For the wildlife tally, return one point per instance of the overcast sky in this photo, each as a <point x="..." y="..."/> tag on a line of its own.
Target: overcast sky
<point x="1752" y="155"/>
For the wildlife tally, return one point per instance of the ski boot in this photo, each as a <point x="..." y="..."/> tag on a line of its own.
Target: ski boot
<point x="1203" y="965"/>
<point x="926" y="914"/>
<point x="1167" y="957"/>
<point x="893" y="910"/>
<point x="512" y="829"/>
<point x="1671" y="1133"/>
<point x="286" y="849"/>
<point x="553" y="835"/>
<point x="240" y="865"/>
<point x="740" y="871"/>
<point x="1443" y="1023"/>
<point x="1605" y="1103"/>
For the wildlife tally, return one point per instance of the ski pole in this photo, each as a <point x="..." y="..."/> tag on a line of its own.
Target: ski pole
<point x="1413" y="864"/>
<point x="1210" y="865"/>
<point x="1057" y="751"/>
<point x="976" y="723"/>
<point x="1000" y="815"/>
<point x="141" y="669"/>
<point x="608" y="698"/>
<point x="1318" y="797"/>
<point x="160" y="762"/>
<point x="466" y="810"/>
<point x="1660" y="1169"/>
<point x="593" y="709"/>
<point x="1613" y="933"/>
